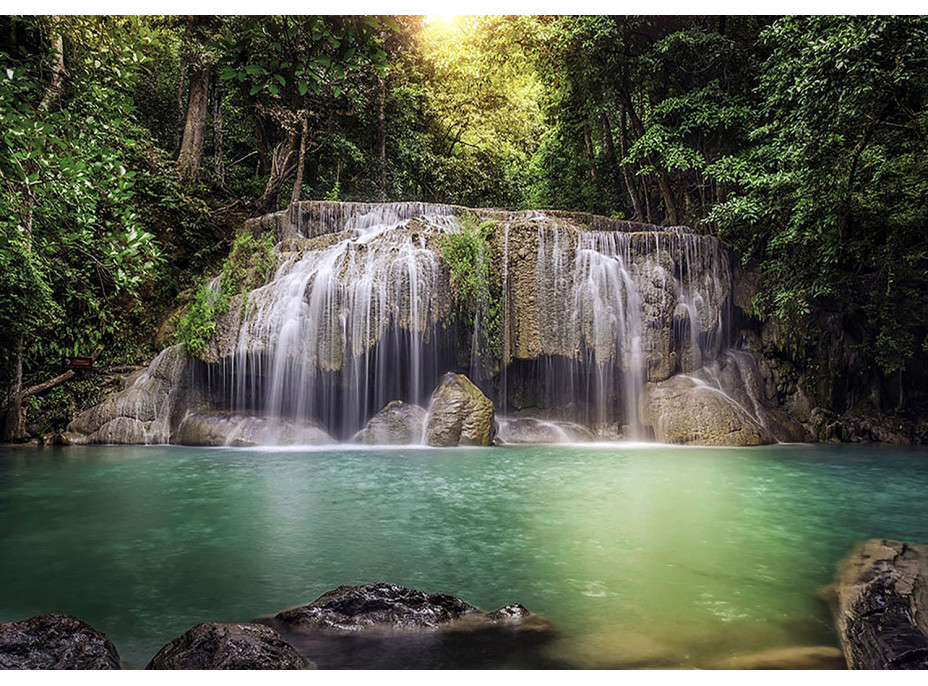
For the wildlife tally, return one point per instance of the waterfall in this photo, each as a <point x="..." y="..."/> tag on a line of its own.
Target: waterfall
<point x="359" y="313"/>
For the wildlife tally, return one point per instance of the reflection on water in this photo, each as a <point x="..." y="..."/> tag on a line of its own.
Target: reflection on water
<point x="640" y="555"/>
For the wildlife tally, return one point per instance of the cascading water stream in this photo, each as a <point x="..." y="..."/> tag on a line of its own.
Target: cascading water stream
<point x="357" y="315"/>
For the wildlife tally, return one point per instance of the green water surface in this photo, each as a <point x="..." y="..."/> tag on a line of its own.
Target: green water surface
<point x="640" y="555"/>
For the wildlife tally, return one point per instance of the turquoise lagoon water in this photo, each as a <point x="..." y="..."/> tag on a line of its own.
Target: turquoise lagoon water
<point x="641" y="555"/>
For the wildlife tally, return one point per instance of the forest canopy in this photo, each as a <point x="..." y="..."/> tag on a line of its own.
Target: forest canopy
<point x="132" y="147"/>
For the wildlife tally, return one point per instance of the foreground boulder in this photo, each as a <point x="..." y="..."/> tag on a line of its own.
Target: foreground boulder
<point x="392" y="608"/>
<point x="55" y="642"/>
<point x="687" y="411"/>
<point x="229" y="646"/>
<point x="459" y="414"/>
<point x="880" y="605"/>
<point x="398" y="423"/>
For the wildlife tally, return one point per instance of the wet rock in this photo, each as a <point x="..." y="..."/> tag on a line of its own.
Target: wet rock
<point x="398" y="423"/>
<point x="793" y="657"/>
<point x="229" y="646"/>
<point x="385" y="607"/>
<point x="880" y="605"/>
<point x="459" y="414"/>
<point x="144" y="411"/>
<point x="221" y="429"/>
<point x="532" y="430"/>
<point x="686" y="411"/>
<point x="55" y="642"/>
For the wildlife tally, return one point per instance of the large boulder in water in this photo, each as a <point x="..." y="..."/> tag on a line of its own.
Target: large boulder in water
<point x="55" y="642"/>
<point x="398" y="423"/>
<point x="459" y="414"/>
<point x="687" y="411"/>
<point x="385" y="607"/>
<point x="880" y="605"/>
<point x="220" y="429"/>
<point x="229" y="646"/>
<point x="533" y="430"/>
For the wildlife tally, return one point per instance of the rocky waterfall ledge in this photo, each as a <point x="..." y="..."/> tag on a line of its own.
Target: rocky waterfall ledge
<point x="615" y="328"/>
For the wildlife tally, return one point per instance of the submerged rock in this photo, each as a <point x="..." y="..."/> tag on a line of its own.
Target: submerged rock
<point x="398" y="423"/>
<point x="793" y="657"/>
<point x="229" y="646"/>
<point x="459" y="414"/>
<point x="687" y="411"/>
<point x="241" y="430"/>
<point x="880" y="605"/>
<point x="55" y="642"/>
<point x="532" y="430"/>
<point x="386" y="607"/>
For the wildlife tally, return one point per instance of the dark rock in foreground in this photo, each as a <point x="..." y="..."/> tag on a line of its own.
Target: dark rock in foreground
<point x="55" y="642"/>
<point x="229" y="646"/>
<point x="386" y="626"/>
<point x="389" y="607"/>
<point x="881" y="606"/>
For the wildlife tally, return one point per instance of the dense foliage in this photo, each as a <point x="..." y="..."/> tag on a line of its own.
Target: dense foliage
<point x="132" y="147"/>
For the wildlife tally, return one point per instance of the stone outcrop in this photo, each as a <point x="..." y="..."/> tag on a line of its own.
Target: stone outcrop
<point x="55" y="642"/>
<point x="398" y="423"/>
<point x="229" y="646"/>
<point x="459" y="414"/>
<point x="389" y="608"/>
<point x="880" y="605"/>
<point x="687" y="411"/>
<point x="220" y="429"/>
<point x="532" y="430"/>
<point x="141" y="413"/>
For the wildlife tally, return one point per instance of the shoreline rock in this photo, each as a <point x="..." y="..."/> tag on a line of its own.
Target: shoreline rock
<point x="55" y="641"/>
<point x="211" y="645"/>
<point x="389" y="608"/>
<point x="880" y="605"/>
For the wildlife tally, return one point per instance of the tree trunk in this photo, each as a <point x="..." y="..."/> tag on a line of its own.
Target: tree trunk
<point x="282" y="165"/>
<point x="382" y="138"/>
<point x="630" y="184"/>
<point x="180" y="109"/>
<point x="611" y="173"/>
<point x="590" y="155"/>
<point x="14" y="429"/>
<point x="218" y="159"/>
<point x="670" y="205"/>
<point x="191" y="147"/>
<point x="53" y="90"/>
<point x="301" y="163"/>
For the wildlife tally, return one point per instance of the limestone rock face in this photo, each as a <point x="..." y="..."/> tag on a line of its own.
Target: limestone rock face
<point x="881" y="605"/>
<point x="55" y="642"/>
<point x="684" y="410"/>
<point x="143" y="412"/>
<point x="238" y="430"/>
<point x="229" y="646"/>
<point x="532" y="430"/>
<point x="386" y="607"/>
<point x="398" y="423"/>
<point x="459" y="414"/>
